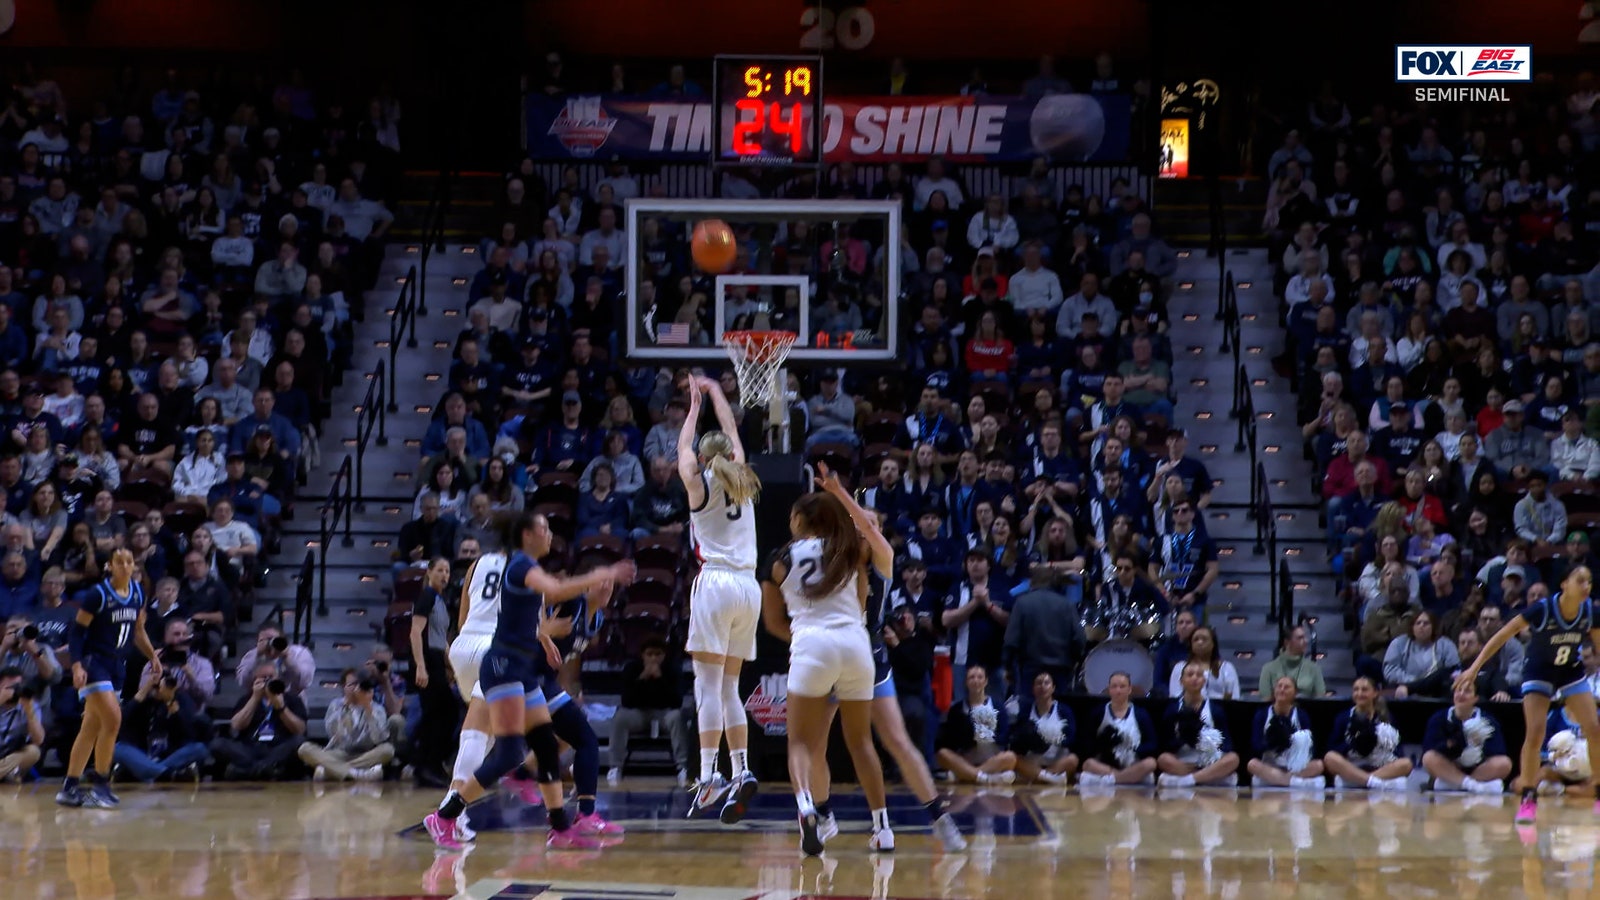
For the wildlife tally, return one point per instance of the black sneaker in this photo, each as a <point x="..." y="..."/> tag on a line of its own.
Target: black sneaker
<point x="810" y="833"/>
<point x="70" y="796"/>
<point x="738" y="802"/>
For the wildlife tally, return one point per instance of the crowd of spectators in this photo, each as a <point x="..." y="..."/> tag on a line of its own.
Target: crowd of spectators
<point x="1441" y="295"/>
<point x="179" y="267"/>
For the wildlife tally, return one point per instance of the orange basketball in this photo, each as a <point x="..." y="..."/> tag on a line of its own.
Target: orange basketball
<point x="713" y="247"/>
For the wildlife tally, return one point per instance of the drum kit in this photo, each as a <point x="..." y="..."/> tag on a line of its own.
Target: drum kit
<point x="1124" y="634"/>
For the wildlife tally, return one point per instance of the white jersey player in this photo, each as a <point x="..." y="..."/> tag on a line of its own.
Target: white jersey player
<point x="725" y="600"/>
<point x="475" y="622"/>
<point x="815" y="597"/>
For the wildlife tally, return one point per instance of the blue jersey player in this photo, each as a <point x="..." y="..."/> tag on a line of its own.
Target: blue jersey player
<point x="887" y="721"/>
<point x="1557" y="627"/>
<point x="110" y="618"/>
<point x="512" y="676"/>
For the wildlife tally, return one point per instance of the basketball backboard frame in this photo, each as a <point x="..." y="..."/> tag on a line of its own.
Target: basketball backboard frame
<point x="637" y="346"/>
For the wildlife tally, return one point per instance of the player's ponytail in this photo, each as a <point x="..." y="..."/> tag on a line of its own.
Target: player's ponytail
<point x="823" y="516"/>
<point x="739" y="482"/>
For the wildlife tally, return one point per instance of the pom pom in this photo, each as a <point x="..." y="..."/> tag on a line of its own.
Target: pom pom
<point x="1050" y="731"/>
<point x="1210" y="746"/>
<point x="1299" y="753"/>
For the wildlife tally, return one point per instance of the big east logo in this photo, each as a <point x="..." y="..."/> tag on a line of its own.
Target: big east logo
<point x="1457" y="62"/>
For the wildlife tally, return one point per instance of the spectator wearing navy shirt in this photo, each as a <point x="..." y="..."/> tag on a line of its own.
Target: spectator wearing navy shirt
<point x="937" y="552"/>
<point x="995" y="487"/>
<point x="264" y="415"/>
<point x="475" y="380"/>
<point x="961" y="495"/>
<point x="455" y="416"/>
<point x="930" y="424"/>
<point x="975" y="617"/>
<point x="1098" y="417"/>
<point x="13" y="342"/>
<point x="1050" y="470"/>
<point x="1185" y="561"/>
<point x="567" y="445"/>
<point x="889" y="495"/>
<point x="1111" y="500"/>
<point x="532" y="380"/>
<point x="1464" y="748"/>
<point x="148" y="443"/>
<point x="1196" y="480"/>
<point x="1398" y="444"/>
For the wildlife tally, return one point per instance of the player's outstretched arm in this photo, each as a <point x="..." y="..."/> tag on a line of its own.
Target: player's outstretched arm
<point x="1511" y="629"/>
<point x="774" y="613"/>
<point x="688" y="466"/>
<point x="559" y="590"/>
<point x="725" y="419"/>
<point x="866" y="522"/>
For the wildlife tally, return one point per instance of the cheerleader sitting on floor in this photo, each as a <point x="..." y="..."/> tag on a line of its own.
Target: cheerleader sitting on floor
<point x="1283" y="743"/>
<point x="1565" y="756"/>
<point x="1198" y="752"/>
<point x="1042" y="736"/>
<point x="1464" y="749"/>
<point x="1361" y="750"/>
<point x="1124" y="744"/>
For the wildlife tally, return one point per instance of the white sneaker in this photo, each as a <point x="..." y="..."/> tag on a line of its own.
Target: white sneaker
<point x="1175" y="781"/>
<point x="996" y="777"/>
<point x="828" y="828"/>
<point x="1339" y="784"/>
<point x="1089" y="779"/>
<point x="464" y="831"/>
<point x="1307" y="784"/>
<point x="1551" y="789"/>
<point x="1053" y="777"/>
<point x="320" y="775"/>
<point x="1393" y="785"/>
<point x="374" y="773"/>
<point x="882" y="841"/>
<point x="614" y="776"/>
<point x="949" y="834"/>
<point x="1485" y="787"/>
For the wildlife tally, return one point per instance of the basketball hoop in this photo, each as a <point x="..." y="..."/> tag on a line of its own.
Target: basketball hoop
<point x="757" y="358"/>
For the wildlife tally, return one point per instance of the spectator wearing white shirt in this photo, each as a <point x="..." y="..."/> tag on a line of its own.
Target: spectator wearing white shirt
<point x="608" y="235"/>
<point x="364" y="220"/>
<point x="1035" y="287"/>
<point x="993" y="226"/>
<point x="1299" y="287"/>
<point x="1461" y="239"/>
<point x="1575" y="456"/>
<point x="233" y="248"/>
<point x="234" y="539"/>
<point x="937" y="181"/>
<point x="567" y="213"/>
<point x="623" y="185"/>
<point x="201" y="470"/>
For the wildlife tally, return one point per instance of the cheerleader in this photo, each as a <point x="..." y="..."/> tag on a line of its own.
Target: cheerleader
<point x="1564" y="757"/>
<point x="1464" y="748"/>
<point x="973" y="736"/>
<point x="1361" y="750"/>
<point x="1283" y="743"/>
<point x="1124" y="744"/>
<point x="1042" y="738"/>
<point x="1198" y="752"/>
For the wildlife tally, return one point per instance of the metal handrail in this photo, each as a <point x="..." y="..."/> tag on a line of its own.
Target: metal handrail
<point x="372" y="415"/>
<point x="433" y="230"/>
<point x="340" y="502"/>
<point x="303" y="597"/>
<point x="1283" y="589"/>
<point x="402" y="320"/>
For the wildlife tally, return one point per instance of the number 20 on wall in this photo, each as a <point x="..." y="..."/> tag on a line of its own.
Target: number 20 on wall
<point x="851" y="28"/>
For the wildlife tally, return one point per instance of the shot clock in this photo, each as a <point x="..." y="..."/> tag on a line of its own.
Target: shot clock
<point x="769" y="111"/>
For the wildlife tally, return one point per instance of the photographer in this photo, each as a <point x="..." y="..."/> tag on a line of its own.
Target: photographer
<point x="391" y="692"/>
<point x="162" y="734"/>
<point x="209" y="604"/>
<point x="21" y="730"/>
<point x="266" y="731"/>
<point x="196" y="677"/>
<point x="290" y="662"/>
<point x="357" y="731"/>
<point x="22" y="649"/>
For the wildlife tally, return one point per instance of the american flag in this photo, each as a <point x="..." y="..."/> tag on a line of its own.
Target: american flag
<point x="673" y="333"/>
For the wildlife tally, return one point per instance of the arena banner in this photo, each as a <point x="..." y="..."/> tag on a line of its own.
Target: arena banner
<point x="1065" y="127"/>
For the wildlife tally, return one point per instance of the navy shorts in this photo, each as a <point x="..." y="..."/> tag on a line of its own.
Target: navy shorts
<point x="1557" y="684"/>
<point x="105" y="674"/>
<point x="509" y="673"/>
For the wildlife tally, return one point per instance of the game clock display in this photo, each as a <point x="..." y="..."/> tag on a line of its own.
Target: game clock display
<point x="769" y="110"/>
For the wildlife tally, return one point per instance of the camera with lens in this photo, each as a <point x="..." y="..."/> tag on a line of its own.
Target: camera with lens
<point x="174" y="658"/>
<point x="276" y="687"/>
<point x="280" y="643"/>
<point x="382" y="666"/>
<point x="30" y="633"/>
<point x="169" y="680"/>
<point x="368" y="684"/>
<point x="26" y="691"/>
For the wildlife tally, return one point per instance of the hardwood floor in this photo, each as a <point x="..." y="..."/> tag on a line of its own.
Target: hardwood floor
<point x="313" y="841"/>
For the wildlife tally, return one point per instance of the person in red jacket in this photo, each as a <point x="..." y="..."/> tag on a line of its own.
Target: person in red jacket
<point x="1418" y="503"/>
<point x="1341" y="476"/>
<point x="990" y="354"/>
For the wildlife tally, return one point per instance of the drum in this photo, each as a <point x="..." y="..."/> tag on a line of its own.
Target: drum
<point x="1096" y="624"/>
<point x="1145" y="624"/>
<point x="1119" y="656"/>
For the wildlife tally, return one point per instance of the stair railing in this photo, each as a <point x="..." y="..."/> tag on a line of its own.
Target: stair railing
<point x="401" y="321"/>
<point x="371" y="416"/>
<point x="303" y="595"/>
<point x="433" y="229"/>
<point x="340" y="502"/>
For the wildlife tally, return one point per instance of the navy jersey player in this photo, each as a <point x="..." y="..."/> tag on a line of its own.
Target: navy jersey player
<point x="887" y="720"/>
<point x="1557" y="627"/>
<point x="111" y="617"/>
<point x="512" y="676"/>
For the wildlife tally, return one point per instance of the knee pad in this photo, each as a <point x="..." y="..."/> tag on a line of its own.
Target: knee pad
<point x="546" y="753"/>
<point x="501" y="759"/>
<point x="732" y="707"/>
<point x="708" y="696"/>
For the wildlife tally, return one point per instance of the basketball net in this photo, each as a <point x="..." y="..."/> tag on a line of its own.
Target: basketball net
<point x="758" y="358"/>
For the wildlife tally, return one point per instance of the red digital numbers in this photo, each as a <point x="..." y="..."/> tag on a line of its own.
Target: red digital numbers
<point x="824" y="341"/>
<point x="756" y="118"/>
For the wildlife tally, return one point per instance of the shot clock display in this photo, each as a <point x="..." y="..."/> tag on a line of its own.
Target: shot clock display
<point x="769" y="110"/>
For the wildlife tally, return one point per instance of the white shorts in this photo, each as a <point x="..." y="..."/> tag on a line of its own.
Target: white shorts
<point x="724" y="606"/>
<point x="466" y="654"/>
<point x="836" y="661"/>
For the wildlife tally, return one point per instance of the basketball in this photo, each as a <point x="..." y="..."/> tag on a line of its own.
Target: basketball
<point x="713" y="246"/>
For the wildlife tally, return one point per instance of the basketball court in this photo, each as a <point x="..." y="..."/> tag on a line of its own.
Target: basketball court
<point x="314" y="841"/>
